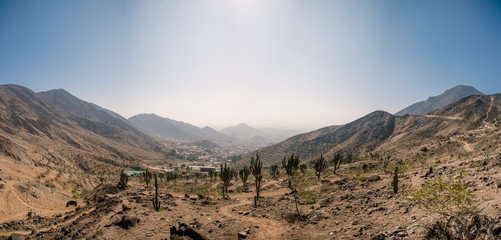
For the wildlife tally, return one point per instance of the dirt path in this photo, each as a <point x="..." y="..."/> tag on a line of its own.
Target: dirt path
<point x="444" y="117"/>
<point x="268" y="228"/>
<point x="467" y="147"/>
<point x="489" y="110"/>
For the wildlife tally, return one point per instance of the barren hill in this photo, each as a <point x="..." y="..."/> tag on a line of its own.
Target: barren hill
<point x="381" y="128"/>
<point x="444" y="99"/>
<point x="48" y="148"/>
<point x="167" y="128"/>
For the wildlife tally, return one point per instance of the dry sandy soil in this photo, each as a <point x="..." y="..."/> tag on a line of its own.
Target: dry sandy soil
<point x="352" y="204"/>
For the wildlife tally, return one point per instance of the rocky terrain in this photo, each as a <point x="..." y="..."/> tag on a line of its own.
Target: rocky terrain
<point x="59" y="171"/>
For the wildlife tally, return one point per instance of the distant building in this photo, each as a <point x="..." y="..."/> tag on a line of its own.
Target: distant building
<point x="207" y="169"/>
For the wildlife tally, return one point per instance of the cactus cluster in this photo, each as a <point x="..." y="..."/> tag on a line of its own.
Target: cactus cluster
<point x="226" y="174"/>
<point x="290" y="165"/>
<point x="244" y="175"/>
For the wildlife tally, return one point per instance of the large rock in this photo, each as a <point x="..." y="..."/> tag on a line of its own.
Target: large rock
<point x="184" y="231"/>
<point x="373" y="178"/>
<point x="127" y="222"/>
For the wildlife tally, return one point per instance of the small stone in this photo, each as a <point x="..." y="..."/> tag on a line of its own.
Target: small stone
<point x="240" y="212"/>
<point x="242" y="235"/>
<point x="497" y="182"/>
<point x="246" y="213"/>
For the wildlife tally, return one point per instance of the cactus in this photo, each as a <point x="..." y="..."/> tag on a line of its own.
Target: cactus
<point x="320" y="166"/>
<point x="395" y="181"/>
<point x="146" y="175"/>
<point x="156" y="203"/>
<point x="244" y="175"/>
<point x="226" y="175"/>
<point x="303" y="168"/>
<point x="197" y="176"/>
<point x="336" y="161"/>
<point x="255" y="168"/>
<point x="274" y="171"/>
<point x="124" y="178"/>
<point x="291" y="165"/>
<point x="212" y="175"/>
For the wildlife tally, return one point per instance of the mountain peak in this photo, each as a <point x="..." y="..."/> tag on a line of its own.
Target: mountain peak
<point x="447" y="97"/>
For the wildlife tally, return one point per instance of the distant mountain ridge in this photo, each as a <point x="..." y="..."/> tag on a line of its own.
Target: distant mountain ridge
<point x="432" y="103"/>
<point x="68" y="102"/>
<point x="166" y="128"/>
<point x="243" y="131"/>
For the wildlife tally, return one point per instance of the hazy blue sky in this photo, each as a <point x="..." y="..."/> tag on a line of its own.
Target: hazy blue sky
<point x="299" y="64"/>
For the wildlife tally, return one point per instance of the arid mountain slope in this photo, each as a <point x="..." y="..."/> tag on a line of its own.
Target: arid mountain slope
<point x="48" y="153"/>
<point x="381" y="128"/>
<point x="97" y="119"/>
<point x="166" y="128"/>
<point x="36" y="131"/>
<point x="444" y="99"/>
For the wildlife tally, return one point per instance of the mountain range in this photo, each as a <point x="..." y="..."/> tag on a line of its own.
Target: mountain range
<point x="381" y="129"/>
<point x="245" y="132"/>
<point x="432" y="103"/>
<point x="166" y="128"/>
<point x="61" y="131"/>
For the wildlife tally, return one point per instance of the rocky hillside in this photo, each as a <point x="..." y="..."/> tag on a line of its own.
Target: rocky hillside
<point x="37" y="132"/>
<point x="448" y="97"/>
<point x="166" y="128"/>
<point x="381" y="128"/>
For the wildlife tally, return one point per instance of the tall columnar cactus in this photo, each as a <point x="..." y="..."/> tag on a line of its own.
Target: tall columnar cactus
<point x="395" y="181"/>
<point x="256" y="168"/>
<point x="244" y="175"/>
<point x="226" y="175"/>
<point x="336" y="161"/>
<point x="291" y="165"/>
<point x="156" y="202"/>
<point x="212" y="175"/>
<point x="146" y="175"/>
<point x="124" y="178"/>
<point x="274" y="171"/>
<point x="320" y="166"/>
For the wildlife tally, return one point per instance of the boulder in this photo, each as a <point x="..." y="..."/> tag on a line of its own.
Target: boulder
<point x="373" y="178"/>
<point x="184" y="231"/>
<point x="71" y="203"/>
<point x="127" y="222"/>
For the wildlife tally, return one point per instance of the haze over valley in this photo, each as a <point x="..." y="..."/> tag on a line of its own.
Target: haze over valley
<point x="248" y="119"/>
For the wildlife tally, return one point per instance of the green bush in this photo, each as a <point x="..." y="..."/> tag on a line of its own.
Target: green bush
<point x="449" y="197"/>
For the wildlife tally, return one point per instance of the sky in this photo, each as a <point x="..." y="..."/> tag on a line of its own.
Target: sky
<point x="268" y="63"/>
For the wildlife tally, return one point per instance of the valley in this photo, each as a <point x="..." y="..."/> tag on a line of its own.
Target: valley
<point x="61" y="160"/>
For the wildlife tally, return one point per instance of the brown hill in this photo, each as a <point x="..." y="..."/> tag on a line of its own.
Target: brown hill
<point x="432" y="103"/>
<point x="38" y="138"/>
<point x="383" y="129"/>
